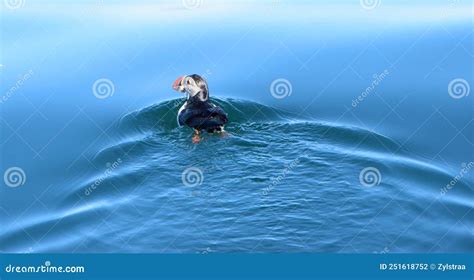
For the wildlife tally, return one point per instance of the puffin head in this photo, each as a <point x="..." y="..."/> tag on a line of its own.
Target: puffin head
<point x="193" y="85"/>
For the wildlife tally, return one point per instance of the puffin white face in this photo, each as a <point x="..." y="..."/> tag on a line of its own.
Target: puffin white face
<point x="193" y="85"/>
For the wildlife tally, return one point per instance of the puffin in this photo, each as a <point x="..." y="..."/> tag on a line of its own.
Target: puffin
<point x="197" y="111"/>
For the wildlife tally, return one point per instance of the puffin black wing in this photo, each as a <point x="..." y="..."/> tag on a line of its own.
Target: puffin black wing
<point x="205" y="116"/>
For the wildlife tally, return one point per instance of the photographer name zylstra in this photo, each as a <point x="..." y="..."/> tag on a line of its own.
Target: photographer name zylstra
<point x="445" y="266"/>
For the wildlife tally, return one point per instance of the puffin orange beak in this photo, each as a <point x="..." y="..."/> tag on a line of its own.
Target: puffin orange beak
<point x="178" y="84"/>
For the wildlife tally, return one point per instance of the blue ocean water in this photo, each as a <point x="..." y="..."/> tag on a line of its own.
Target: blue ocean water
<point x="351" y="127"/>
